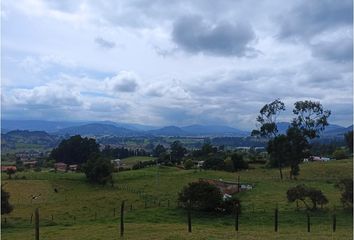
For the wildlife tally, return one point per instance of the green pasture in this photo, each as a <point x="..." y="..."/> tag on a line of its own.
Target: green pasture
<point x="83" y="211"/>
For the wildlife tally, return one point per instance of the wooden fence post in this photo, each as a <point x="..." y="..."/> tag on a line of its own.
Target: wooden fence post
<point x="31" y="218"/>
<point x="276" y="219"/>
<point x="308" y="223"/>
<point x="36" y="219"/>
<point x="334" y="225"/>
<point x="122" y="219"/>
<point x="236" y="217"/>
<point x="189" y="217"/>
<point x="114" y="212"/>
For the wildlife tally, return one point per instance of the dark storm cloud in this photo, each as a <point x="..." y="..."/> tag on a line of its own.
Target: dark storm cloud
<point x="312" y="17"/>
<point x="104" y="43"/>
<point x="339" y="51"/>
<point x="194" y="35"/>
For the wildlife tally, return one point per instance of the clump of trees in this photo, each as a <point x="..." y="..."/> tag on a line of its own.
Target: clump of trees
<point x="349" y="140"/>
<point x="75" y="150"/>
<point x="203" y="196"/>
<point x="6" y="207"/>
<point x="303" y="193"/>
<point x="346" y="186"/>
<point x="98" y="170"/>
<point x="291" y="148"/>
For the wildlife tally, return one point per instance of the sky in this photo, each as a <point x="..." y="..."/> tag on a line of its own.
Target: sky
<point x="179" y="62"/>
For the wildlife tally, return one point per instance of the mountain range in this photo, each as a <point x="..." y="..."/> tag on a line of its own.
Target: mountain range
<point x="109" y="128"/>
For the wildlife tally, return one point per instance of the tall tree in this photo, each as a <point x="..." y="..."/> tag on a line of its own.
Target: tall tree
<point x="75" y="150"/>
<point x="310" y="118"/>
<point x="349" y="140"/>
<point x="177" y="152"/>
<point x="267" y="119"/>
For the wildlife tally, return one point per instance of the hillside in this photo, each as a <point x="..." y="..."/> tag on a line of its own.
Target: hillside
<point x="97" y="129"/>
<point x="83" y="211"/>
<point x="24" y="140"/>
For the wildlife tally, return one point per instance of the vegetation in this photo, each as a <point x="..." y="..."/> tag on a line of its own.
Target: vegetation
<point x="302" y="192"/>
<point x="75" y="150"/>
<point x="98" y="170"/>
<point x="289" y="149"/>
<point x="74" y="205"/>
<point x="346" y="186"/>
<point x="349" y="140"/>
<point x="339" y="154"/>
<point x="201" y="196"/>
<point x="6" y="207"/>
<point x="10" y="172"/>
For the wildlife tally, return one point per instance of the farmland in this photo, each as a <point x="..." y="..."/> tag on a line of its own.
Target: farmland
<point x="83" y="211"/>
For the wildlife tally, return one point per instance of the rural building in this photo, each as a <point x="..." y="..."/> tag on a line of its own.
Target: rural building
<point x="228" y="188"/>
<point x="5" y="168"/>
<point x="60" y="166"/>
<point x="73" y="167"/>
<point x="116" y="163"/>
<point x="30" y="164"/>
<point x="316" y="159"/>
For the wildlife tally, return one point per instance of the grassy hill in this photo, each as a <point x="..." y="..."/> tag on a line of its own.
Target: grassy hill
<point x="83" y="211"/>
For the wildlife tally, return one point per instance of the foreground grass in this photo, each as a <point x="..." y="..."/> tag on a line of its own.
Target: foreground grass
<point x="83" y="211"/>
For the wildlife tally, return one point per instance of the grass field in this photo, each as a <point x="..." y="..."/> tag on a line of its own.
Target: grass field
<point x="83" y="211"/>
<point x="130" y="161"/>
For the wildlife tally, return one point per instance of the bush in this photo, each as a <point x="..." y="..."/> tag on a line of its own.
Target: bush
<point x="201" y="195"/>
<point x="188" y="164"/>
<point x="301" y="192"/>
<point x="6" y="207"/>
<point x="98" y="170"/>
<point x="346" y="185"/>
<point x="339" y="153"/>
<point x="238" y="162"/>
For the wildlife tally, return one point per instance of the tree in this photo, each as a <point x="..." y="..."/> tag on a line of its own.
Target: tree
<point x="301" y="192"/>
<point x="188" y="164"/>
<point x="10" y="172"/>
<point x="98" y="170"/>
<point x="75" y="150"/>
<point x="201" y="195"/>
<point x="349" y="140"/>
<point x="238" y="162"/>
<point x="268" y="125"/>
<point x="158" y="150"/>
<point x="268" y="119"/>
<point x="6" y="207"/>
<point x="310" y="118"/>
<point x="177" y="152"/>
<point x="346" y="186"/>
<point x="339" y="154"/>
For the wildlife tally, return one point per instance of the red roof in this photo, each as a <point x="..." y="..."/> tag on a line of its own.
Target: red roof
<point x="5" y="168"/>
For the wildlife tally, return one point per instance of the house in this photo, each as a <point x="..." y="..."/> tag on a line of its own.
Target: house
<point x="73" y="167"/>
<point x="316" y="159"/>
<point x="60" y="166"/>
<point x="30" y="164"/>
<point x="228" y="188"/>
<point x="5" y="168"/>
<point x="200" y="164"/>
<point x="116" y="163"/>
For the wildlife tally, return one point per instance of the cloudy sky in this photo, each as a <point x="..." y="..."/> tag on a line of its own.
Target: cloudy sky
<point x="174" y="62"/>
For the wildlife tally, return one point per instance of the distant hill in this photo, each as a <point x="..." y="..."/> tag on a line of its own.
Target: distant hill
<point x="216" y="130"/>
<point x="97" y="129"/>
<point x="55" y="126"/>
<point x="24" y="139"/>
<point x="168" y="131"/>
<point x="37" y="125"/>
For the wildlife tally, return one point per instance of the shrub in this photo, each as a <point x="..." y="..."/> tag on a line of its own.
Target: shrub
<point x="339" y="153"/>
<point x="238" y="162"/>
<point x="346" y="186"/>
<point x="301" y="192"/>
<point x="201" y="195"/>
<point x="188" y="164"/>
<point x="98" y="170"/>
<point x="6" y="207"/>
